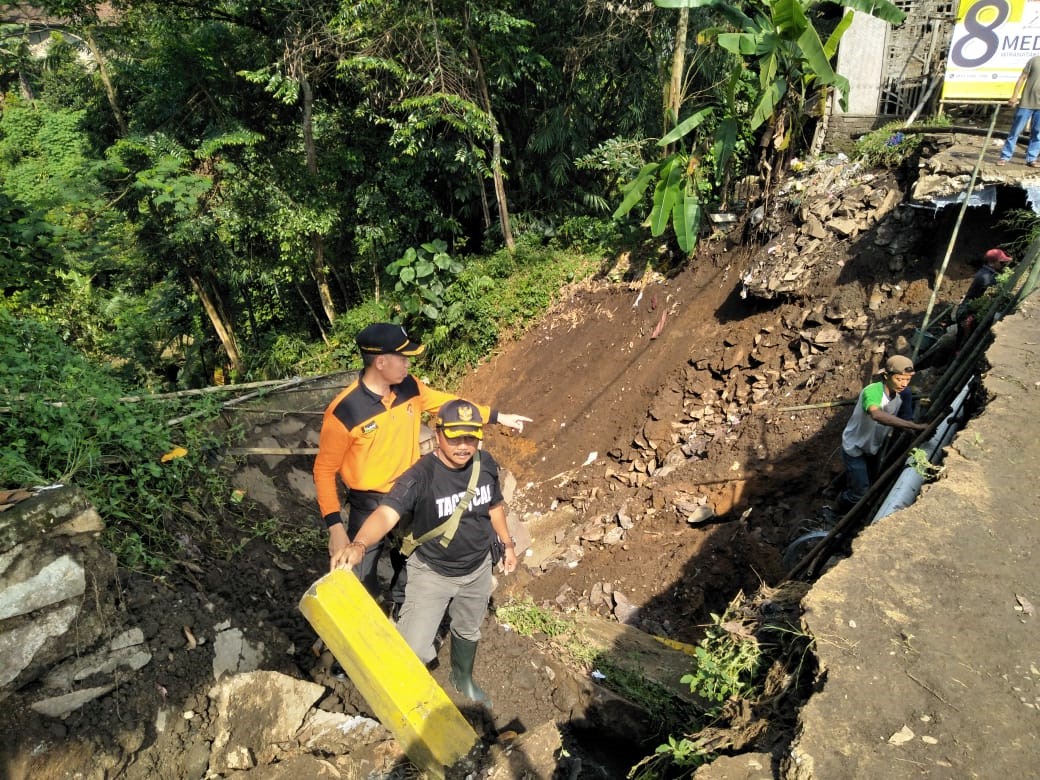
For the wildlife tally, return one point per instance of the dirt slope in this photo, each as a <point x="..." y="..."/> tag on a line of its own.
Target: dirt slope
<point x="679" y="384"/>
<point x="623" y="371"/>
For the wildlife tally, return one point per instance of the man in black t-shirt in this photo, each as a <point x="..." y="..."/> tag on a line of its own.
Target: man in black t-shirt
<point x="452" y="568"/>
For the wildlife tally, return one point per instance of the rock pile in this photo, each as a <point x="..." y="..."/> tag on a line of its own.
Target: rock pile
<point x="833" y="201"/>
<point x="57" y="598"/>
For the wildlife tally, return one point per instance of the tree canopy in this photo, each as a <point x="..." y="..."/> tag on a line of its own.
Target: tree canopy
<point x="195" y="188"/>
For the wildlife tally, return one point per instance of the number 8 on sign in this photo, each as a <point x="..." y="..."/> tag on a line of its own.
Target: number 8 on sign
<point x="981" y="42"/>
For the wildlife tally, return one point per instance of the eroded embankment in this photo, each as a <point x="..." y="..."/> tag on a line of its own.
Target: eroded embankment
<point x="928" y="633"/>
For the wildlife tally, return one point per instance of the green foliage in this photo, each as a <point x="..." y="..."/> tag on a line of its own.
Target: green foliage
<point x="918" y="461"/>
<point x="67" y="421"/>
<point x="1024" y="226"/>
<point x="282" y="88"/>
<point x="284" y="537"/>
<point x="677" y="757"/>
<point x="999" y="293"/>
<point x="32" y="256"/>
<point x="422" y="276"/>
<point x="173" y="161"/>
<point x="588" y="233"/>
<point x="41" y="153"/>
<point x="475" y="303"/>
<point x="727" y="666"/>
<point x="675" y="197"/>
<point x="625" y="676"/>
<point x="889" y="146"/>
<point x="528" y="619"/>
<point x="775" y="41"/>
<point x="499" y="295"/>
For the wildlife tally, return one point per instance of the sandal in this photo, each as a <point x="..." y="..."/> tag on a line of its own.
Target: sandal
<point x="1002" y="161"/>
<point x="1033" y="163"/>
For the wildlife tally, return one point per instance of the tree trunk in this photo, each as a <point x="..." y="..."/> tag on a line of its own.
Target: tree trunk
<point x="223" y="329"/>
<point x="314" y="314"/>
<point x="106" y="80"/>
<point x="317" y="264"/>
<point x="500" y="193"/>
<point x="485" y="209"/>
<point x="673" y="90"/>
<point x="24" y="88"/>
<point x="496" y="153"/>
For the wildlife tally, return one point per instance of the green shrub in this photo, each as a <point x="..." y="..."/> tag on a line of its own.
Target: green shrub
<point x="727" y="666"/>
<point x="889" y="146"/>
<point x="422" y="275"/>
<point x="463" y="316"/>
<point x="587" y="232"/>
<point x="67" y="420"/>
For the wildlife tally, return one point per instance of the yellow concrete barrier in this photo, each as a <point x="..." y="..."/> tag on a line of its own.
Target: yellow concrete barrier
<point x="394" y="682"/>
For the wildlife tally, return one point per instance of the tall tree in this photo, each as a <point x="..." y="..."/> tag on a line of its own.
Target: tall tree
<point x="780" y="45"/>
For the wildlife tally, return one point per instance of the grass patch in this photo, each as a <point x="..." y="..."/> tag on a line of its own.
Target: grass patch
<point x="889" y="146"/>
<point x="288" y="538"/>
<point x="565" y="640"/>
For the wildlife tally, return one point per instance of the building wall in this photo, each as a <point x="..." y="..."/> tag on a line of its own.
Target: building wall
<point x="892" y="71"/>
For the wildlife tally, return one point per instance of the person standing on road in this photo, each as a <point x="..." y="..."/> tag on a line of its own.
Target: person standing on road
<point x="1025" y="99"/>
<point x="370" y="436"/>
<point x="877" y="411"/>
<point x="455" y="502"/>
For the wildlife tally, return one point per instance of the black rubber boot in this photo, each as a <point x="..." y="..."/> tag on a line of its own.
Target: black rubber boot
<point x="463" y="652"/>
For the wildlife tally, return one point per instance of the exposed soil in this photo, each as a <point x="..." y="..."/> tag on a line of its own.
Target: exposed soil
<point x="612" y="378"/>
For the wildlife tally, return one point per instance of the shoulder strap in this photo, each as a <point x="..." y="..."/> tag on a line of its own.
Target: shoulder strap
<point x="447" y="529"/>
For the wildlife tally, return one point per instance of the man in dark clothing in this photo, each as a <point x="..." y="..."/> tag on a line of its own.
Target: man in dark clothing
<point x="451" y="568"/>
<point x="370" y="435"/>
<point x="993" y="262"/>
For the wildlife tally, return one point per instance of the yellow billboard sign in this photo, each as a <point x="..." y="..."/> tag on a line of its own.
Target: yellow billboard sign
<point x="992" y="41"/>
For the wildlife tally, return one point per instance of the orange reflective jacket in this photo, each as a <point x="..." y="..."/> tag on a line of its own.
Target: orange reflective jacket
<point x="370" y="441"/>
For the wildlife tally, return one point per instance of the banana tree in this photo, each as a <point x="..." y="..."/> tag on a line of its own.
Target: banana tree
<point x="776" y="41"/>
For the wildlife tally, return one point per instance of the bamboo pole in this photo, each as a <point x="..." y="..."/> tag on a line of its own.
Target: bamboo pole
<point x="132" y="399"/>
<point x="248" y="396"/>
<point x="273" y="451"/>
<point x="953" y="236"/>
<point x="820" y="405"/>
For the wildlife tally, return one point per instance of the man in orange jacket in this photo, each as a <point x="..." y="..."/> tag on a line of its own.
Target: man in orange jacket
<point x="370" y="436"/>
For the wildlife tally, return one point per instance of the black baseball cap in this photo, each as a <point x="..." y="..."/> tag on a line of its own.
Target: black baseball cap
<point x="460" y="418"/>
<point x="386" y="338"/>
